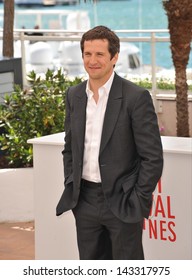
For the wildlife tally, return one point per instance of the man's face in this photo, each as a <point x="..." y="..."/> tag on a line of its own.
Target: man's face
<point x="97" y="59"/>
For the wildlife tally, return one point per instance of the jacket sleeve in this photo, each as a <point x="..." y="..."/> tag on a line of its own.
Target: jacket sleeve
<point x="149" y="147"/>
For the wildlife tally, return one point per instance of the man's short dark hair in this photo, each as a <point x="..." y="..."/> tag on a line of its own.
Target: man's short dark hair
<point x="102" y="32"/>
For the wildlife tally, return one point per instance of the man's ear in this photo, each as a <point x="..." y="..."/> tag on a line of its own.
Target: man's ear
<point x="115" y="58"/>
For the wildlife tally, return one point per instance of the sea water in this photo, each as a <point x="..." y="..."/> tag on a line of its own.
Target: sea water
<point x="122" y="15"/>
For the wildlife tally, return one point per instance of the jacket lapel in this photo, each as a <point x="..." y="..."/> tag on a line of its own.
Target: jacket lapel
<point x="112" y="111"/>
<point x="80" y="103"/>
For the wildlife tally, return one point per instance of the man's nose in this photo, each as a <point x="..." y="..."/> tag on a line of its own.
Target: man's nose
<point x="93" y="59"/>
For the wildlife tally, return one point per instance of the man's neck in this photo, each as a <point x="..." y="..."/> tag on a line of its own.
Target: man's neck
<point x="95" y="84"/>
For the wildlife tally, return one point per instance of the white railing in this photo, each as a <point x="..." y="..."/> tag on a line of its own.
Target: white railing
<point x="152" y="37"/>
<point x="75" y="35"/>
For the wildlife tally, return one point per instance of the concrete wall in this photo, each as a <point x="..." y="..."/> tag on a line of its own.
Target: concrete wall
<point x="16" y="195"/>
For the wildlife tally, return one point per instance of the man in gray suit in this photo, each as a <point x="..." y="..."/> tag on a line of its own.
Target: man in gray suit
<point x="112" y="155"/>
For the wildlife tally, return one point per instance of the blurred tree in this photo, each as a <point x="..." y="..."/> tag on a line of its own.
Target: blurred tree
<point x="179" y="15"/>
<point x="8" y="25"/>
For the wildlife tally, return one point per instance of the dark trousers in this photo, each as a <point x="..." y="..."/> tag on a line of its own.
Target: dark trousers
<point x="100" y="234"/>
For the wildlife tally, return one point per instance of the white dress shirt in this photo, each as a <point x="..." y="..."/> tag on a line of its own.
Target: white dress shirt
<point x="95" y="113"/>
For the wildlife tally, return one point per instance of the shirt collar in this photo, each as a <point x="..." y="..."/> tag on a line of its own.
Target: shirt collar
<point x="106" y="87"/>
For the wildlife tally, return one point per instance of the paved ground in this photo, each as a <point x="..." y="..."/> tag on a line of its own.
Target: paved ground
<point x="17" y="241"/>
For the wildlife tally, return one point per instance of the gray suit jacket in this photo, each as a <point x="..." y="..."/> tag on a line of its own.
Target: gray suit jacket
<point x="130" y="157"/>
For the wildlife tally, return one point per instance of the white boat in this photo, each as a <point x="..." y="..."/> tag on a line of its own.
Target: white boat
<point x="44" y="2"/>
<point x="66" y="2"/>
<point x="70" y="58"/>
<point x="35" y="3"/>
<point x="67" y="55"/>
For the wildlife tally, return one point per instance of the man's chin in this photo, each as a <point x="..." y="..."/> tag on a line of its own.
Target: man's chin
<point x="95" y="76"/>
